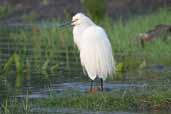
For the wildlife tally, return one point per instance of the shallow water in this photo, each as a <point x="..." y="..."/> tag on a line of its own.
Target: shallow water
<point x="37" y="93"/>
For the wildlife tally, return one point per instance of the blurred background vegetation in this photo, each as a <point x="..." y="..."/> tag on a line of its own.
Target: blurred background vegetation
<point x="25" y="10"/>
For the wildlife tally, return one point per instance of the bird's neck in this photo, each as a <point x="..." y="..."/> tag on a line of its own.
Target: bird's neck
<point x="83" y="27"/>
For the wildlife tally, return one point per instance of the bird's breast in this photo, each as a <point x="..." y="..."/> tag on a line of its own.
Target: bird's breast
<point x="77" y="35"/>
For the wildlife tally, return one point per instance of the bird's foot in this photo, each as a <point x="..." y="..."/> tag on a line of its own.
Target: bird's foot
<point x="94" y="89"/>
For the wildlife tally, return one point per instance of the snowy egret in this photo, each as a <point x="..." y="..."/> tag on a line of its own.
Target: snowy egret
<point x="95" y="49"/>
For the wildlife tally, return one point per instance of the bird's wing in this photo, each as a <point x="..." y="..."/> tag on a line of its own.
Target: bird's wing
<point x="96" y="52"/>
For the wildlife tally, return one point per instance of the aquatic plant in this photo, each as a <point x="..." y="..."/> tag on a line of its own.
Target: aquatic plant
<point x="5" y="107"/>
<point x="120" y="70"/>
<point x="5" y="10"/>
<point x="16" y="60"/>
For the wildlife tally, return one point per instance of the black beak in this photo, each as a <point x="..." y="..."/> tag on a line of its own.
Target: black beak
<point x="69" y="23"/>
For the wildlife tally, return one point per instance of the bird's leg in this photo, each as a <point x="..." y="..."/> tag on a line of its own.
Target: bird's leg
<point x="91" y="86"/>
<point x="101" y="82"/>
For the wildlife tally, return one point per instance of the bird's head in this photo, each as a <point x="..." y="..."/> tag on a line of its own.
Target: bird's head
<point x="81" y="19"/>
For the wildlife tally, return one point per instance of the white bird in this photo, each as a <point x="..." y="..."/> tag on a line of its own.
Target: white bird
<point x="95" y="49"/>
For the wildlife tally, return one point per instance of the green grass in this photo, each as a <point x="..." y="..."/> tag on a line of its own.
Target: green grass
<point x="95" y="102"/>
<point x="128" y="100"/>
<point x="131" y="100"/>
<point x="123" y="36"/>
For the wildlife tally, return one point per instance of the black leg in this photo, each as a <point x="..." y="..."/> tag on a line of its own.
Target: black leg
<point x="101" y="81"/>
<point x="91" y="86"/>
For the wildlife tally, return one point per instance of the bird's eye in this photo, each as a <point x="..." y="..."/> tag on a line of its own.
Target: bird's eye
<point x="75" y="20"/>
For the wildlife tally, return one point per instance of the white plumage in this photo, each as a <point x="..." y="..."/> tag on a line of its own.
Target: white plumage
<point x="94" y="46"/>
